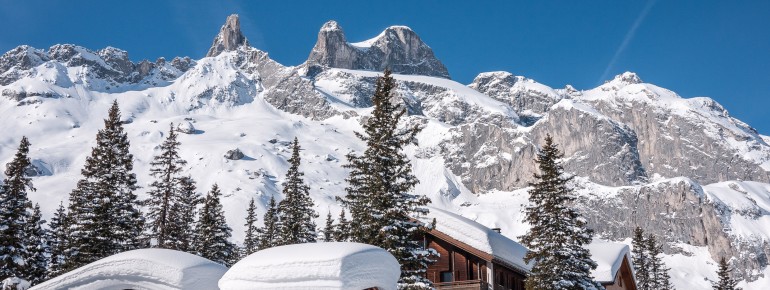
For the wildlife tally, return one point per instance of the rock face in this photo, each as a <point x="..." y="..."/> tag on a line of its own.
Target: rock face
<point x="398" y="48"/>
<point x="229" y="38"/>
<point x="234" y="154"/>
<point x="521" y="93"/>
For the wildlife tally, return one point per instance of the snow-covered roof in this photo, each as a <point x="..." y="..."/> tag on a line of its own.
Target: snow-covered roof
<point x="479" y="237"/>
<point x="315" y="266"/>
<point x="609" y="258"/>
<point x="142" y="269"/>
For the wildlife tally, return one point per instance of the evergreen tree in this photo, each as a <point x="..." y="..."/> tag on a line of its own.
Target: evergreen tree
<point x="164" y="191"/>
<point x="558" y="233"/>
<point x="296" y="209"/>
<point x="213" y="232"/>
<point x="104" y="211"/>
<point x="726" y="282"/>
<point x="271" y="227"/>
<point x="329" y="228"/>
<point x="183" y="212"/>
<point x="659" y="277"/>
<point x="37" y="248"/>
<point x="342" y="230"/>
<point x="58" y="240"/>
<point x="641" y="259"/>
<point x="379" y="194"/>
<point x="251" y="242"/>
<point x="15" y="214"/>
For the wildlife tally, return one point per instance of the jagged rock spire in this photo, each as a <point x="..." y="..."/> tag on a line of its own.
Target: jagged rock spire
<point x="229" y="38"/>
<point x="397" y="48"/>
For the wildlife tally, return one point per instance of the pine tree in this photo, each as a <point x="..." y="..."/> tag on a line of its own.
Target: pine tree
<point x="342" y="230"/>
<point x="251" y="242"/>
<point x="379" y="194"/>
<point x="212" y="231"/>
<point x="726" y="282"/>
<point x="659" y="277"/>
<point x="329" y="228"/>
<point x="37" y="248"/>
<point x="271" y="227"/>
<point x="296" y="209"/>
<point x="183" y="211"/>
<point x="641" y="260"/>
<point x="104" y="211"/>
<point x="164" y="191"/>
<point x="558" y="233"/>
<point x="58" y="239"/>
<point x="15" y="214"/>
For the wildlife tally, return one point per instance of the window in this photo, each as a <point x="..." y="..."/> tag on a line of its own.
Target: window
<point x="446" y="276"/>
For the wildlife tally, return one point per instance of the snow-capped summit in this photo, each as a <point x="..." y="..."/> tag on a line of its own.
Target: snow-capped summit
<point x="622" y="80"/>
<point x="229" y="38"/>
<point x="397" y="47"/>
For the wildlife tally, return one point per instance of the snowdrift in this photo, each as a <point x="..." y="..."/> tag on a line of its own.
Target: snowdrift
<point x="608" y="257"/>
<point x="152" y="269"/>
<point x="344" y="266"/>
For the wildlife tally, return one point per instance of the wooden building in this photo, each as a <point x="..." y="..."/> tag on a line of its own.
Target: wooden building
<point x="472" y="256"/>
<point x="614" y="269"/>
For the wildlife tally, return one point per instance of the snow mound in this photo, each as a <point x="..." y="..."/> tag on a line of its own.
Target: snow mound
<point x="480" y="237"/>
<point x="142" y="269"/>
<point x="608" y="257"/>
<point x="351" y="266"/>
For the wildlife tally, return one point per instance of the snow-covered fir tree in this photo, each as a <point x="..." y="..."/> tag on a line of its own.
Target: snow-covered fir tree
<point x="558" y="233"/>
<point x="251" y="242"/>
<point x="212" y="231"/>
<point x="271" y="226"/>
<point x="58" y="237"/>
<point x="328" y="231"/>
<point x="104" y="211"/>
<point x="640" y="259"/>
<point x="726" y="281"/>
<point x="38" y="249"/>
<point x="164" y="191"/>
<point x="15" y="213"/>
<point x="659" y="277"/>
<point x="183" y="214"/>
<point x="379" y="196"/>
<point x="342" y="229"/>
<point x="296" y="209"/>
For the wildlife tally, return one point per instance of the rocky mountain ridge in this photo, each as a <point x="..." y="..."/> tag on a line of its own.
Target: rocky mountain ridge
<point x="628" y="141"/>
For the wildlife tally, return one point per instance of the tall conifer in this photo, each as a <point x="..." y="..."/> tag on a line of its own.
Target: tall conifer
<point x="379" y="196"/>
<point x="15" y="213"/>
<point x="328" y="231"/>
<point x="37" y="248"/>
<point x="558" y="233"/>
<point x="58" y="239"/>
<point x="183" y="214"/>
<point x="726" y="281"/>
<point x="212" y="231"/>
<point x="104" y="211"/>
<point x="166" y="168"/>
<point x="342" y="230"/>
<point x="296" y="209"/>
<point x="251" y="242"/>
<point x="641" y="259"/>
<point x="271" y="226"/>
<point x="659" y="277"/>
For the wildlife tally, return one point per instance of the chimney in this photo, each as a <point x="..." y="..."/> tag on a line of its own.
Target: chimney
<point x="497" y="230"/>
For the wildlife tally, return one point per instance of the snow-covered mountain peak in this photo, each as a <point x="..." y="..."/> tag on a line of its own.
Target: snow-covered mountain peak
<point x="229" y="38"/>
<point x="622" y="80"/>
<point x="397" y="47"/>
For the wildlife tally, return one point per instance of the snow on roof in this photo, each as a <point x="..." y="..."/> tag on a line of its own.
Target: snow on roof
<point x="143" y="269"/>
<point x="315" y="266"/>
<point x="480" y="237"/>
<point x="609" y="258"/>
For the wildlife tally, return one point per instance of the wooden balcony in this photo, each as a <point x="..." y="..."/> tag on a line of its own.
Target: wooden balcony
<point x="463" y="285"/>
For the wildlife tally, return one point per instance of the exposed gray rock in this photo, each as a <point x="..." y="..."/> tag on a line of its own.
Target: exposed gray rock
<point x="185" y="127"/>
<point x="521" y="93"/>
<point x="398" y="48"/>
<point x="234" y="154"/>
<point x="229" y="38"/>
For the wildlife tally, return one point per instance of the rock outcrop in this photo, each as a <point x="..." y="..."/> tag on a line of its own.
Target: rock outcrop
<point x="398" y="48"/>
<point x="229" y="38"/>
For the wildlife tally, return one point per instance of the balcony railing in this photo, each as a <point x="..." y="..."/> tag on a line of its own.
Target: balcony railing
<point x="463" y="285"/>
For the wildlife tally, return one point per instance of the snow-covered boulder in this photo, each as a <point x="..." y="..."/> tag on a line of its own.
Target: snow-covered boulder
<point x="186" y="127"/>
<point x="142" y="269"/>
<point x="341" y="266"/>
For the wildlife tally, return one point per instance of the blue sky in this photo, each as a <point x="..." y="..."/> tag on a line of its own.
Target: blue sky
<point x="719" y="49"/>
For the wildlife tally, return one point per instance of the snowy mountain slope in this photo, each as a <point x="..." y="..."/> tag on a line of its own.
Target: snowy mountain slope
<point x="628" y="141"/>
